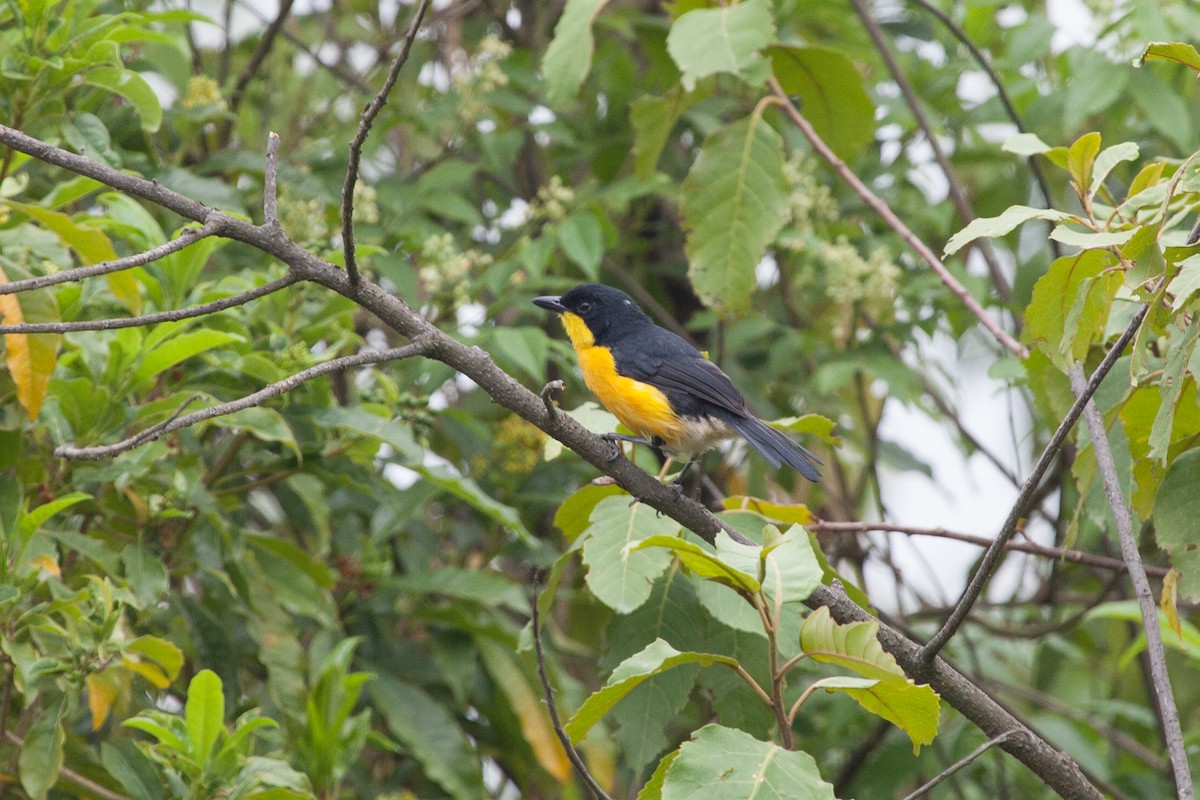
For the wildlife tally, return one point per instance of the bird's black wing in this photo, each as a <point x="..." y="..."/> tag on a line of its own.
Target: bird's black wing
<point x="667" y="362"/>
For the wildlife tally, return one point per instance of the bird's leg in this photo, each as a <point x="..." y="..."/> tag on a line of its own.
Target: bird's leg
<point x="613" y="438"/>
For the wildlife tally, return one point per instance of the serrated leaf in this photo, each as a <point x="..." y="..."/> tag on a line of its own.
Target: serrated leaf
<point x="620" y="573"/>
<point x="1186" y="282"/>
<point x="568" y="58"/>
<point x="1176" y="52"/>
<point x="833" y="95"/>
<point x="30" y="357"/>
<point x="789" y="570"/>
<point x="992" y="227"/>
<point x="733" y="204"/>
<point x="657" y="657"/>
<point x="711" y="40"/>
<point x="725" y="764"/>
<point x="910" y="707"/>
<point x="204" y="713"/>
<point x="652" y="789"/>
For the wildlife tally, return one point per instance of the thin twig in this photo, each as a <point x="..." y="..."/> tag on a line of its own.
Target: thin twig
<point x="1032" y="548"/>
<point x="548" y="691"/>
<point x="364" y="127"/>
<point x="74" y="777"/>
<point x="957" y="196"/>
<point x="260" y="54"/>
<point x="962" y="762"/>
<point x="335" y="69"/>
<point x="895" y="223"/>
<point x="157" y="317"/>
<point x="271" y="181"/>
<point x="987" y="564"/>
<point x="188" y="236"/>
<point x="1163" y="694"/>
<point x="273" y="390"/>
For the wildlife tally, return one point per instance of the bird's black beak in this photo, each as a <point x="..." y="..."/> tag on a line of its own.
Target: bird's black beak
<point x="550" y="303"/>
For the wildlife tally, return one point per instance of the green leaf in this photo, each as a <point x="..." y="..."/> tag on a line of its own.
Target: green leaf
<point x="653" y="119"/>
<point x="1177" y="52"/>
<point x="132" y="87"/>
<point x="166" y="654"/>
<point x="789" y="570"/>
<point x="381" y="427"/>
<point x="726" y="764"/>
<point x="574" y="515"/>
<point x="1053" y="304"/>
<point x="159" y="731"/>
<point x="42" y="753"/>
<point x="1109" y="158"/>
<point x="582" y="240"/>
<point x="705" y="564"/>
<point x="992" y="227"/>
<point x="1177" y="506"/>
<point x="833" y="95"/>
<point x="619" y="574"/>
<point x="1081" y="159"/>
<point x="470" y="492"/>
<point x="1170" y="385"/>
<point x="591" y="416"/>
<point x="910" y="707"/>
<point x="29" y="521"/>
<point x="180" y="348"/>
<point x="264" y="424"/>
<point x="1025" y="144"/>
<point x="657" y="657"/>
<point x="524" y="347"/>
<point x="1186" y="282"/>
<point x="431" y="735"/>
<point x="136" y="774"/>
<point x="204" y="713"/>
<point x="1090" y="240"/>
<point x="707" y="41"/>
<point x="569" y="55"/>
<point x="733" y="204"/>
<point x="652" y="790"/>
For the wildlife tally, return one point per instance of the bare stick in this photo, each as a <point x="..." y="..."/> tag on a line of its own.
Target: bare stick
<point x="176" y="422"/>
<point x="271" y="181"/>
<point x="957" y="196"/>
<point x="962" y="762"/>
<point x="987" y="564"/>
<point x="153" y="319"/>
<point x="186" y="237"/>
<point x="364" y="127"/>
<point x="895" y="223"/>
<point x="548" y="691"/>
<point x="1058" y="553"/>
<point x="1168" y="713"/>
<point x="260" y="53"/>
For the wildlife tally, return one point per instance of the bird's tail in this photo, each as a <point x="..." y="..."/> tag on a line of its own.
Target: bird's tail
<point x="775" y="447"/>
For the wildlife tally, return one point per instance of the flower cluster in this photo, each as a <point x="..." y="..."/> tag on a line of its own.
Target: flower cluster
<point x="479" y="75"/>
<point x="445" y="270"/>
<point x="553" y="201"/>
<point x="304" y="222"/>
<point x="366" y="204"/>
<point x="202" y="91"/>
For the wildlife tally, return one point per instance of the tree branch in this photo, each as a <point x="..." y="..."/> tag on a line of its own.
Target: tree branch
<point x="895" y="223"/>
<point x="214" y="223"/>
<point x="416" y="347"/>
<point x="1161" y="679"/>
<point x="364" y="127"/>
<point x="1057" y="553"/>
<point x="271" y="180"/>
<point x="260" y="54"/>
<point x="962" y="762"/>
<point x="153" y="319"/>
<point x="957" y="196"/>
<point x="1053" y="766"/>
<point x="991" y="557"/>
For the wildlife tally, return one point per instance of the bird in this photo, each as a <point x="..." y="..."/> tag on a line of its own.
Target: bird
<point x="660" y="386"/>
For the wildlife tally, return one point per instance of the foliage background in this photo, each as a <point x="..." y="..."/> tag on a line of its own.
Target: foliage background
<point x="285" y="551"/>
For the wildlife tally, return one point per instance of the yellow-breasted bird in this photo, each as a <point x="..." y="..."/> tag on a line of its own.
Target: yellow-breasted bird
<point x="660" y="386"/>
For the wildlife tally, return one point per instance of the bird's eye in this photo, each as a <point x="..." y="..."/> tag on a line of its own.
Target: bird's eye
<point x="585" y="307"/>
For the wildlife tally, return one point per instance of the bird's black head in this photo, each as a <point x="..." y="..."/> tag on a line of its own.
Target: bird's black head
<point x="605" y="312"/>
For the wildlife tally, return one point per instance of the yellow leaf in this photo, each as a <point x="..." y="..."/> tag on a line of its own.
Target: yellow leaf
<point x="30" y="357"/>
<point x="47" y="564"/>
<point x="791" y="513"/>
<point x="151" y="672"/>
<point x="102" y="693"/>
<point x="1168" y="602"/>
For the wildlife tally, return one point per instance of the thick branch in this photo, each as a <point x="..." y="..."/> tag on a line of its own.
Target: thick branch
<point x="1057" y="553"/>
<point x="895" y="223"/>
<point x="153" y="319"/>
<point x="1054" y="767"/>
<point x="364" y="127"/>
<point x="991" y="557"/>
<point x="1163" y="694"/>
<point x="417" y="347"/>
<point x="188" y="236"/>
